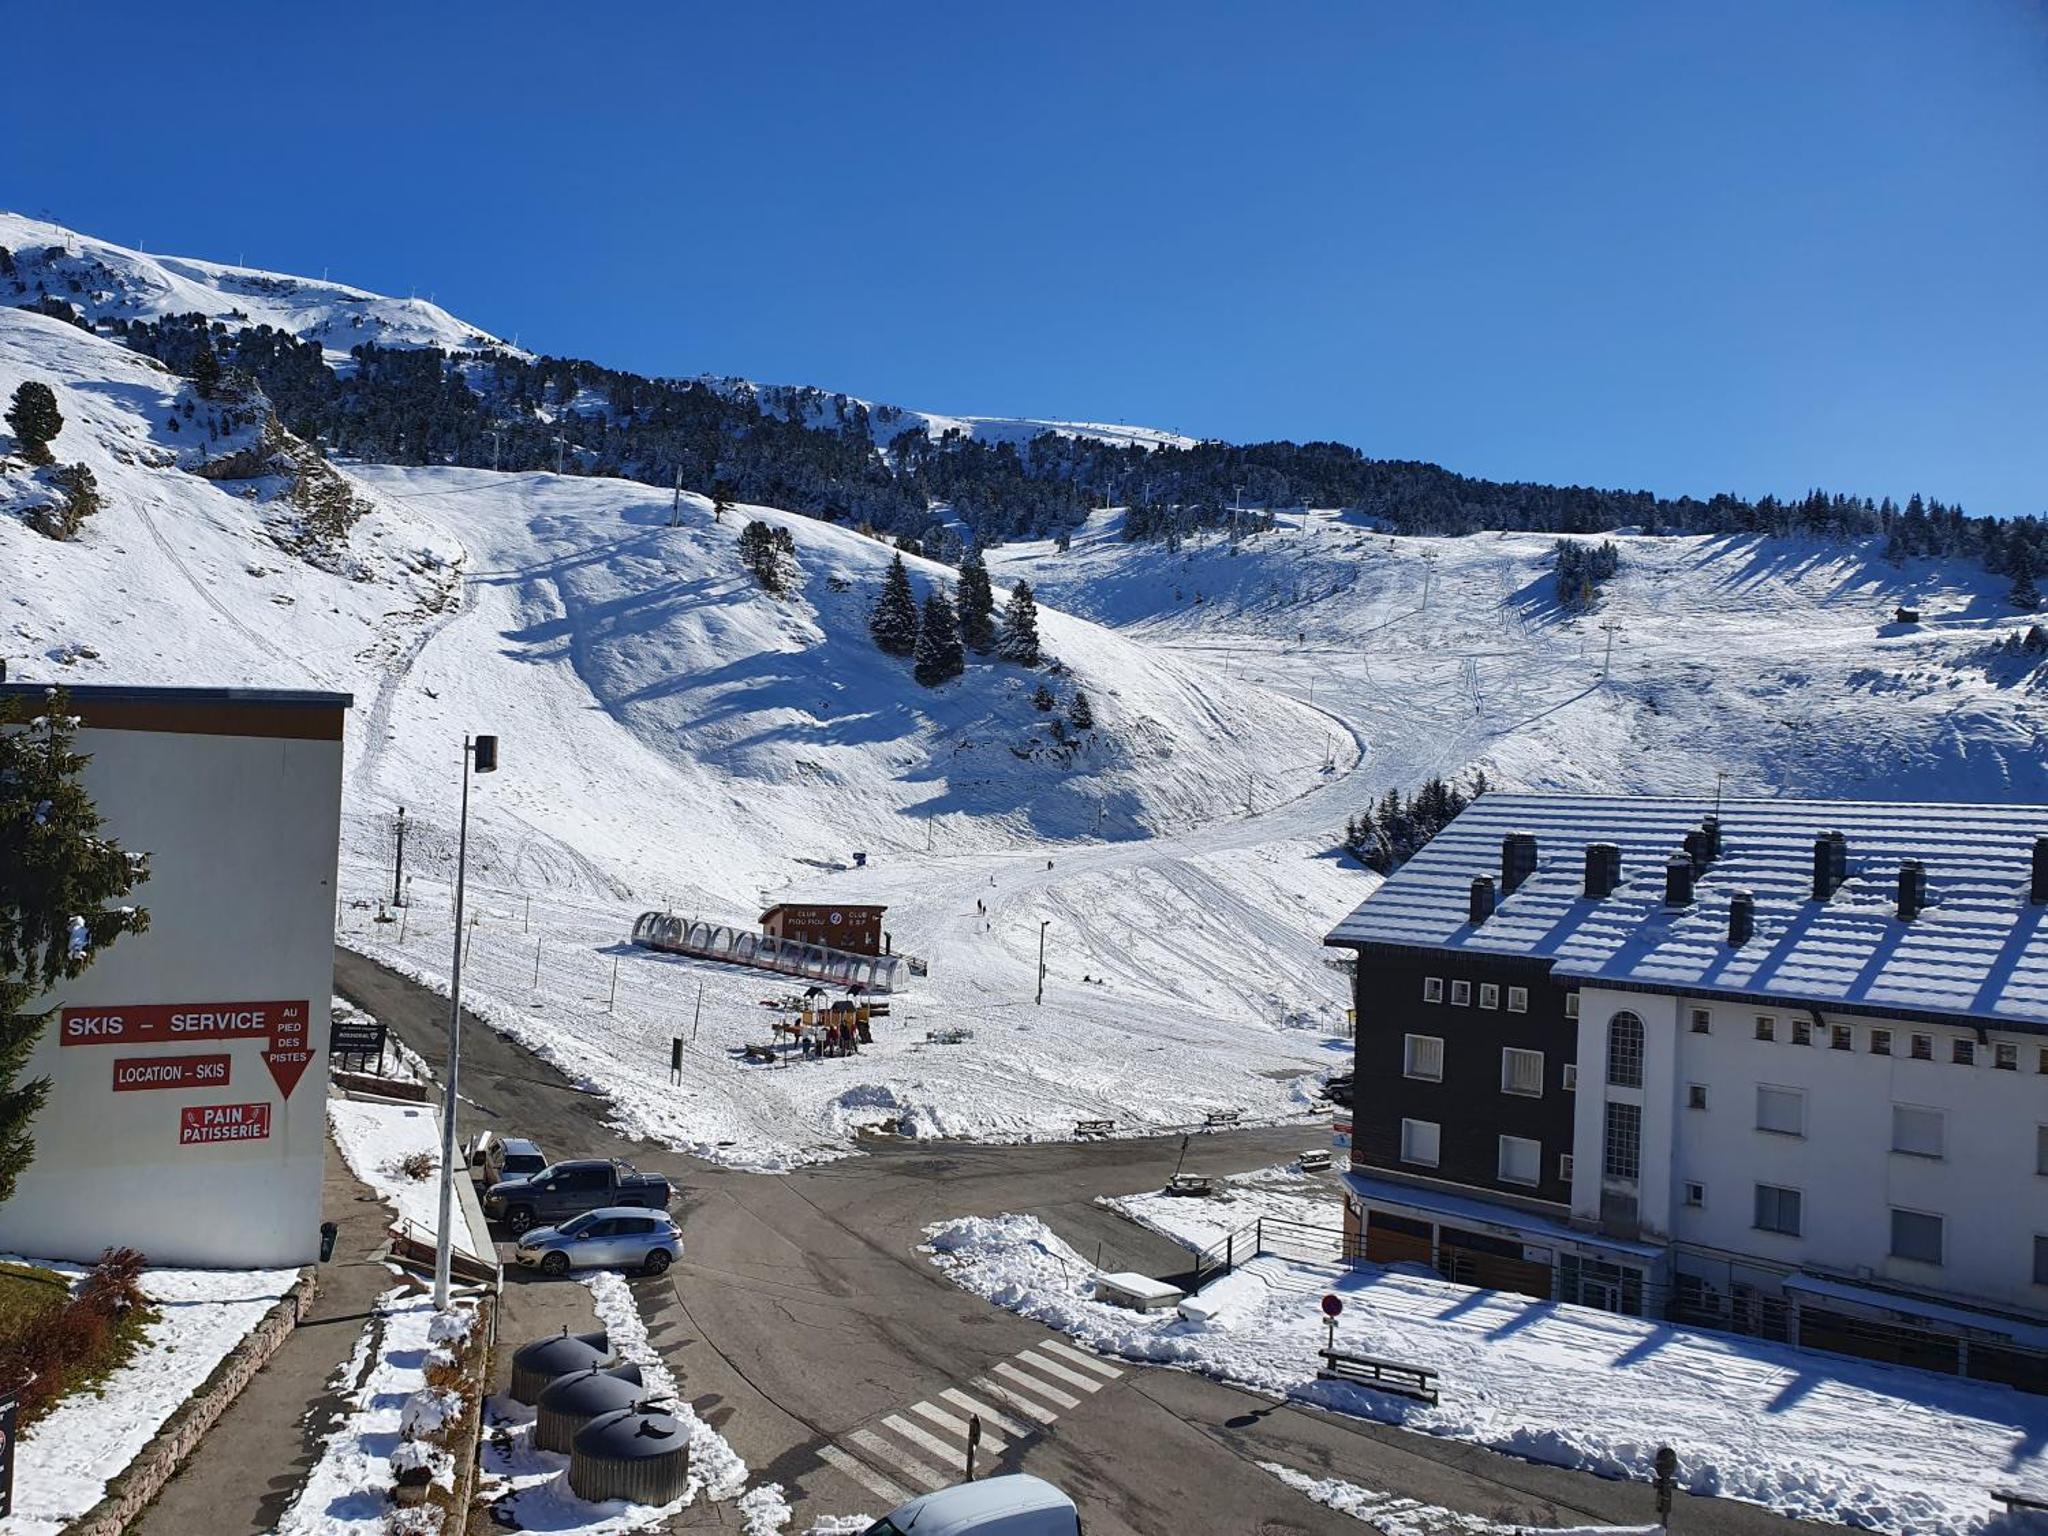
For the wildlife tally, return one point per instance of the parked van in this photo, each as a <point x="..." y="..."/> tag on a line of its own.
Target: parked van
<point x="497" y="1158"/>
<point x="1018" y="1505"/>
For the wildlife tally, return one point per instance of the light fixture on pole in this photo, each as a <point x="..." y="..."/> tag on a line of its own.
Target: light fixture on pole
<point x="1044" y="923"/>
<point x="483" y="751"/>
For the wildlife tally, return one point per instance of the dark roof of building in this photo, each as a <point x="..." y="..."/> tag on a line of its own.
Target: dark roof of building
<point x="124" y="692"/>
<point x="1977" y="949"/>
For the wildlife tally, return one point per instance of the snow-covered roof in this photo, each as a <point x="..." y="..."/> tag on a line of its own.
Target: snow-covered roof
<point x="1977" y="949"/>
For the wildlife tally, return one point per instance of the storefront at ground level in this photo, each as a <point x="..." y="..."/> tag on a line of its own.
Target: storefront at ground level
<point x="188" y="1064"/>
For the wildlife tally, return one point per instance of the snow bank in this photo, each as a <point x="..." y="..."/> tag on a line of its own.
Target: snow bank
<point x="66" y="1459"/>
<point x="1808" y="1435"/>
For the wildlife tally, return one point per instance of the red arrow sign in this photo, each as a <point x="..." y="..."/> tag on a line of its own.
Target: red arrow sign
<point x="290" y="1050"/>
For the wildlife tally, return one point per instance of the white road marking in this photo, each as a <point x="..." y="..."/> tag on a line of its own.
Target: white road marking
<point x="1033" y="1384"/>
<point x="900" y="1459"/>
<point x="1008" y="1426"/>
<point x="953" y="1455"/>
<point x="1024" y="1405"/>
<point x="991" y="1442"/>
<point x="1092" y="1362"/>
<point x="1059" y="1372"/>
<point x="889" y="1493"/>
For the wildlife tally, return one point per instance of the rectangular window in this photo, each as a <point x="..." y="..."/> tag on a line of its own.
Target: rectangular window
<point x="1489" y="994"/>
<point x="2041" y="1149"/>
<point x="1624" y="1142"/>
<point x="1571" y="1076"/>
<point x="1695" y="1193"/>
<point x="1419" y="1140"/>
<point x="1461" y="994"/>
<point x="1841" y="1038"/>
<point x="2041" y="1261"/>
<point x="1521" y="1072"/>
<point x="1571" y="1011"/>
<point x="1695" y="1095"/>
<point x="1521" y="1161"/>
<point x="1766" y="1027"/>
<point x="1777" y="1209"/>
<point x="1964" y="1052"/>
<point x="1422" y="1056"/>
<point x="1518" y="999"/>
<point x="1923" y="1047"/>
<point x="1702" y="1022"/>
<point x="1780" y="1110"/>
<point x="1564" y="1166"/>
<point x="2006" y="1056"/>
<point x="1916" y="1235"/>
<point x="1880" y="1042"/>
<point x="1918" y="1131"/>
<point x="1802" y="1032"/>
<point x="1432" y="989"/>
<point x="2043" y="1067"/>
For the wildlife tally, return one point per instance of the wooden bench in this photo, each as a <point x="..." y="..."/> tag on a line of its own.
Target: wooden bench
<point x="1219" y="1118"/>
<point x="1317" y="1161"/>
<point x="765" y="1053"/>
<point x="1416" y="1381"/>
<point x="1093" y="1127"/>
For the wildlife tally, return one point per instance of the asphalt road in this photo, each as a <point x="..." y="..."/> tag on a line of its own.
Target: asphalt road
<point x="802" y="1318"/>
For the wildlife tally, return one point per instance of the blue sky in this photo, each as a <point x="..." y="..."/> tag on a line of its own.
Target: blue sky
<point x="1752" y="245"/>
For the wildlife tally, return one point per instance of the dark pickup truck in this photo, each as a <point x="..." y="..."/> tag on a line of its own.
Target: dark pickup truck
<point x="562" y="1190"/>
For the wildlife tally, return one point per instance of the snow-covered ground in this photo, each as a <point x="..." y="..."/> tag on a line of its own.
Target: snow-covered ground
<point x="1805" y="1434"/>
<point x="66" y="1459"/>
<point x="1392" y="1515"/>
<point x="377" y="1140"/>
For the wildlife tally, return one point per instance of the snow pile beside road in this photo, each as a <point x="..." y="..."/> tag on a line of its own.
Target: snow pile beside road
<point x="66" y="1459"/>
<point x="1808" y="1435"/>
<point x="378" y="1140"/>
<point x="1392" y="1515"/>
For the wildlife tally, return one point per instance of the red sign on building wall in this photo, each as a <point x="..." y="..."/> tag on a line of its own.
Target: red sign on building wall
<point x="287" y="1027"/>
<point x="134" y="1072"/>
<point x="202" y="1124"/>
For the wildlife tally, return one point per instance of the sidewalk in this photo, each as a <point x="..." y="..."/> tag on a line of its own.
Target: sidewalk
<point x="239" y="1480"/>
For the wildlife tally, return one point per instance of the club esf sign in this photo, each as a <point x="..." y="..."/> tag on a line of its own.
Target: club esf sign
<point x="285" y="1027"/>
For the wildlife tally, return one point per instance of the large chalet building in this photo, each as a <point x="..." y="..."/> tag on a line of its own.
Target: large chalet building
<point x="1779" y="1065"/>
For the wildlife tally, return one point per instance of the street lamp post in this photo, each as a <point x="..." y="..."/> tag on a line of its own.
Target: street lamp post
<point x="1044" y="923"/>
<point x="483" y="750"/>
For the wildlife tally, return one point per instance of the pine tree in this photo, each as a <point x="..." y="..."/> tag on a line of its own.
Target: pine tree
<point x="2024" y="593"/>
<point x="205" y="371"/>
<point x="1079" y="714"/>
<point x="721" y="500"/>
<point x="1018" y="641"/>
<point x="893" y="624"/>
<point x="56" y="875"/>
<point x="35" y="420"/>
<point x="769" y="553"/>
<point x="1042" y="699"/>
<point x="939" y="655"/>
<point x="977" y="603"/>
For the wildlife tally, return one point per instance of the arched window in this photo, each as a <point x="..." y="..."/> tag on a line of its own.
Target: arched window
<point x="1625" y="1050"/>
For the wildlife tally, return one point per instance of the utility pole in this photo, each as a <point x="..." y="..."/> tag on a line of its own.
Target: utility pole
<point x="675" y="513"/>
<point x="561" y="449"/>
<point x="497" y="447"/>
<point x="1429" y="560"/>
<point x="484" y="751"/>
<point x="1612" y="628"/>
<point x="398" y="864"/>
<point x="1044" y="923"/>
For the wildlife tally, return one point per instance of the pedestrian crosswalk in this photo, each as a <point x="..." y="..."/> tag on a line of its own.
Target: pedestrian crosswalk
<point x="900" y="1455"/>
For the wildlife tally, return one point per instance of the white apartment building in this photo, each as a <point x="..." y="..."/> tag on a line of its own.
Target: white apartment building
<point x="1803" y="1048"/>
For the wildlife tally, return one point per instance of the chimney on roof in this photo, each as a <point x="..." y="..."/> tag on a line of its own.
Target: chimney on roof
<point x="1678" y="881"/>
<point x="1481" y="905"/>
<point x="1712" y="827"/>
<point x="1517" y="860"/>
<point x="1741" y="918"/>
<point x="2038" y="893"/>
<point x="1696" y="848"/>
<point x="1603" y="869"/>
<point x="1912" y="888"/>
<point x="1830" y="864"/>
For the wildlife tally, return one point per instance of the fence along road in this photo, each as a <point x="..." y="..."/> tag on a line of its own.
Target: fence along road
<point x="810" y="1315"/>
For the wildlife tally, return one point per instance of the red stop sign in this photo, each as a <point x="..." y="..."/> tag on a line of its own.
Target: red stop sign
<point x="1332" y="1305"/>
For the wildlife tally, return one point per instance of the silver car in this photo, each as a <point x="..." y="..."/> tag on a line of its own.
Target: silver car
<point x="617" y="1237"/>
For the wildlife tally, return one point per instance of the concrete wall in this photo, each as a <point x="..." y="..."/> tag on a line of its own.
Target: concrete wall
<point x="242" y="832"/>
<point x="1985" y="1186"/>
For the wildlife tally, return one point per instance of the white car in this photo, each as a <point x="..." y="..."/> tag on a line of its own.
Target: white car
<point x="1017" y="1505"/>
<point x="618" y="1237"/>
